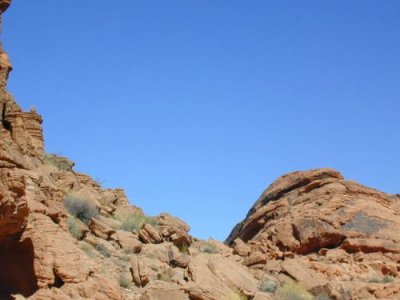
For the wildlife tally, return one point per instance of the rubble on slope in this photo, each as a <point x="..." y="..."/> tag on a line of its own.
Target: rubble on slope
<point x="311" y="235"/>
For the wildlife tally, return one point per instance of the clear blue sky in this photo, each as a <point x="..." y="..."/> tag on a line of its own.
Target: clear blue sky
<point x="195" y="107"/>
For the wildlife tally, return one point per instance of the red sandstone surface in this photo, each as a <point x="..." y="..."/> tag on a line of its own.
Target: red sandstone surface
<point x="310" y="235"/>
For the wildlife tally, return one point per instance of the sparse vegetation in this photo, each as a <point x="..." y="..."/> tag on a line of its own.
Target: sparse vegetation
<point x="268" y="286"/>
<point x="74" y="228"/>
<point x="124" y="281"/>
<point x="103" y="250"/>
<point x="129" y="251"/>
<point x="88" y="249"/>
<point x="236" y="295"/>
<point x="209" y="248"/>
<point x="184" y="249"/>
<point x="81" y="208"/>
<point x="387" y="279"/>
<point x="58" y="162"/>
<point x="7" y="142"/>
<point x="323" y="297"/>
<point x="165" y="276"/>
<point x="127" y="257"/>
<point x="293" y="291"/>
<point x="384" y="279"/>
<point x="133" y="222"/>
<point x="100" y="182"/>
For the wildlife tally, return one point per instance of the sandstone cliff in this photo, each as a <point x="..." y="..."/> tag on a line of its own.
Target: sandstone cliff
<point x="311" y="235"/>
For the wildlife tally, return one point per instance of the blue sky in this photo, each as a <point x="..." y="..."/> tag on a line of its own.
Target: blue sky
<point x="195" y="107"/>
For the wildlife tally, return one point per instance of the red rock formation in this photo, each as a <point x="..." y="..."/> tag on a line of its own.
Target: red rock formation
<point x="62" y="236"/>
<point x="4" y="4"/>
<point x="305" y="218"/>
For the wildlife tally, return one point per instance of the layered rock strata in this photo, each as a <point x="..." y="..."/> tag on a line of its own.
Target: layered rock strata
<point x="329" y="233"/>
<point x="63" y="236"/>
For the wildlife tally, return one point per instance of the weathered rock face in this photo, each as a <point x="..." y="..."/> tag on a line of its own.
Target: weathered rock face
<point x="4" y="4"/>
<point x="22" y="128"/>
<point x="305" y="218"/>
<point x="62" y="236"/>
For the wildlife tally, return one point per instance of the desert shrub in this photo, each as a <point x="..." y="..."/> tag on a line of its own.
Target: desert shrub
<point x="323" y="297"/>
<point x="184" y="248"/>
<point x="129" y="251"/>
<point x="136" y="223"/>
<point x="60" y="163"/>
<point x="375" y="280"/>
<point x="124" y="281"/>
<point x="8" y="143"/>
<point x="74" y="228"/>
<point x="384" y="279"/>
<point x="81" y="208"/>
<point x="164" y="277"/>
<point x="133" y="222"/>
<point x="88" y="249"/>
<point x="268" y="286"/>
<point x="293" y="291"/>
<point x="209" y="248"/>
<point x="103" y="250"/>
<point x="236" y="295"/>
<point x="126" y="257"/>
<point x="387" y="279"/>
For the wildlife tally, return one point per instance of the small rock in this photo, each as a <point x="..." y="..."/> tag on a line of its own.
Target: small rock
<point x="127" y="241"/>
<point x="178" y="259"/>
<point x="255" y="258"/>
<point x="100" y="229"/>
<point x="139" y="272"/>
<point x="241" y="248"/>
<point x="149" y="235"/>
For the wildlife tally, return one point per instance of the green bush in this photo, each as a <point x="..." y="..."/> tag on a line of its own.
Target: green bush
<point x="81" y="208"/>
<point x="74" y="228"/>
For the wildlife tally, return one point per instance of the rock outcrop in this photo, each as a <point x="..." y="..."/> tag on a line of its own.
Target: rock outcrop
<point x="330" y="234"/>
<point x="63" y="236"/>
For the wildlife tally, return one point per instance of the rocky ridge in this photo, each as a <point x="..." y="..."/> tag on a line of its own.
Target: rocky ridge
<point x="311" y="234"/>
<point x="334" y="236"/>
<point x="65" y="237"/>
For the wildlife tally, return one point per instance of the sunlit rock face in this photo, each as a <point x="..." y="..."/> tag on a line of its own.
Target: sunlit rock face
<point x="316" y="222"/>
<point x="63" y="236"/>
<point x="21" y="131"/>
